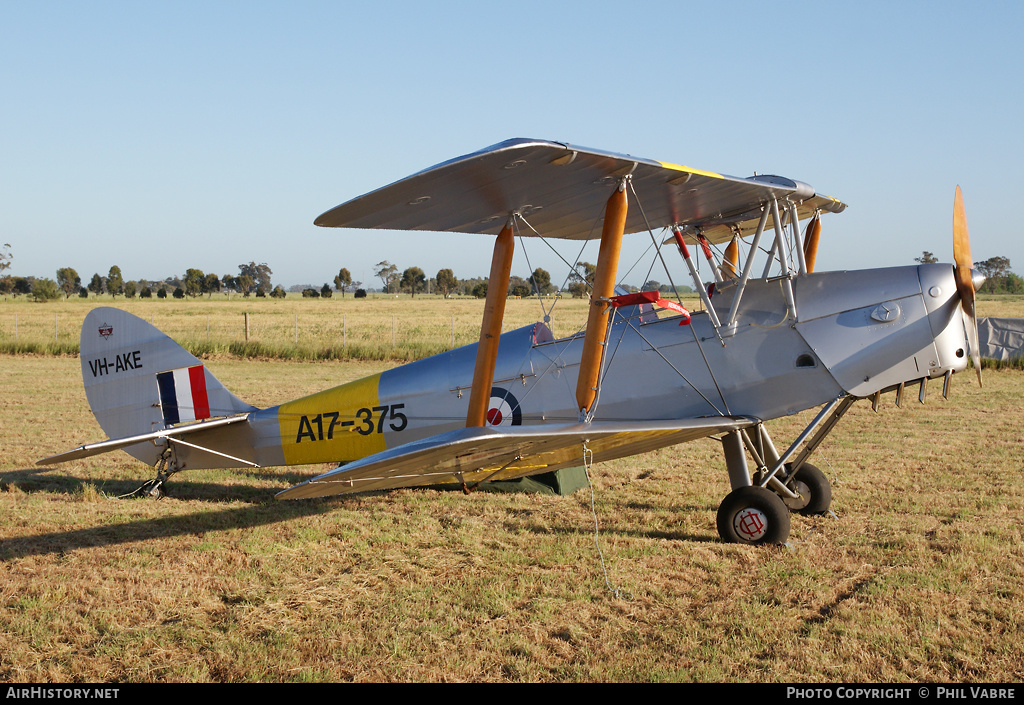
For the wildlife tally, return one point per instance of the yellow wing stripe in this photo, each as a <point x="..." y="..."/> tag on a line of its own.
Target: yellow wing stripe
<point x="701" y="172"/>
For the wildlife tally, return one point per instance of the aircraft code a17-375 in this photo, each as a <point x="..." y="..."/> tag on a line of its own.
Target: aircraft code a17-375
<point x="322" y="426"/>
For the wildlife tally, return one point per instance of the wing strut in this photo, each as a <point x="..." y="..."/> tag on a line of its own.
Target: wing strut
<point x="490" y="327"/>
<point x="604" y="289"/>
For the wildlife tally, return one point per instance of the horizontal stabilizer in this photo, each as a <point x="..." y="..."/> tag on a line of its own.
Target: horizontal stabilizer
<point x="90" y="449"/>
<point x="470" y="455"/>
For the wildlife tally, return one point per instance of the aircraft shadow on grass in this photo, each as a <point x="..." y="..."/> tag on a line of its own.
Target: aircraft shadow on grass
<point x="261" y="510"/>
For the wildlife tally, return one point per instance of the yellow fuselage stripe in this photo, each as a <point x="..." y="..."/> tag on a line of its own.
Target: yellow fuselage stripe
<point x="336" y="425"/>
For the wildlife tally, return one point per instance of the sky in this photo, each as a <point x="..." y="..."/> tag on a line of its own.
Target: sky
<point x="160" y="136"/>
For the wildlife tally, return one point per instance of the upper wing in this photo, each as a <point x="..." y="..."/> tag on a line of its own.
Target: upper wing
<point x="477" y="454"/>
<point x="562" y="189"/>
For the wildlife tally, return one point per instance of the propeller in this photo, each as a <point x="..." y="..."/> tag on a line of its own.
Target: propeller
<point x="964" y="277"/>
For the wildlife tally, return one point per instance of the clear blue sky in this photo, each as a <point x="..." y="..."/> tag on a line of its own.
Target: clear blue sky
<point x="162" y="136"/>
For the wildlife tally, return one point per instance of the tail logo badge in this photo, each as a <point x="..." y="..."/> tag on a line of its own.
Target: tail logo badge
<point x="106" y="330"/>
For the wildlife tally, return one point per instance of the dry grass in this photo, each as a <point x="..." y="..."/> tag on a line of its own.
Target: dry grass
<point x="918" y="577"/>
<point x="379" y="328"/>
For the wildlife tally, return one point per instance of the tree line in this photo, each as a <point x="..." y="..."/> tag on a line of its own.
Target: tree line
<point x="255" y="280"/>
<point x="252" y="279"/>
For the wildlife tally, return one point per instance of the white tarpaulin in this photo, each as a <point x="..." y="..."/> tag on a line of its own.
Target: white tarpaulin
<point x="1001" y="338"/>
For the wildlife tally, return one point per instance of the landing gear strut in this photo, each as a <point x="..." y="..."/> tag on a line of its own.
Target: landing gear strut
<point x="757" y="509"/>
<point x="154" y="488"/>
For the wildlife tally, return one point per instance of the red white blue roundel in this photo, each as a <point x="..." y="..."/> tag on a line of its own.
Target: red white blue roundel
<point x="503" y="409"/>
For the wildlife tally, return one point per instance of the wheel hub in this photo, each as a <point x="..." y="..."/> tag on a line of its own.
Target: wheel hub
<point x="751" y="523"/>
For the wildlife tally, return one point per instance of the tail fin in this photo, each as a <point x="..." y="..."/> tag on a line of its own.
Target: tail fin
<point x="138" y="380"/>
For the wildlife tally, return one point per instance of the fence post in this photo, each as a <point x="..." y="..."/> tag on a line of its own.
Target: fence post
<point x="247" y="326"/>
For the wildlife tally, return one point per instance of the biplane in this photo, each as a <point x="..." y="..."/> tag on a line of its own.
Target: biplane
<point x="773" y="337"/>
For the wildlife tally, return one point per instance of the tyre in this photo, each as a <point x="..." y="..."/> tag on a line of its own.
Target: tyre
<point x="814" y="489"/>
<point x="753" y="515"/>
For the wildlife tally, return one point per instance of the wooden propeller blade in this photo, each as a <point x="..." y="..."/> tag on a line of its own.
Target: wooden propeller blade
<point x="964" y="276"/>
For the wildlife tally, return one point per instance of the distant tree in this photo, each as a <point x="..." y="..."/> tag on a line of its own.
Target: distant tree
<point x="96" y="284"/>
<point x="587" y="271"/>
<point x="83" y="293"/>
<point x="68" y="281"/>
<point x="179" y="293"/>
<point x="360" y="293"/>
<point x="245" y="284"/>
<point x="228" y="284"/>
<point x="44" y="290"/>
<point x="310" y="293"/>
<point x="260" y="274"/>
<point x="520" y="289"/>
<point x="261" y="293"/>
<point x="6" y="285"/>
<point x="325" y="291"/>
<point x="651" y="285"/>
<point x="413" y="280"/>
<point x="146" y="293"/>
<point x="926" y="258"/>
<point x="5" y="257"/>
<point x="387" y="273"/>
<point x="446" y="282"/>
<point x="115" y="282"/>
<point x="540" y="281"/>
<point x="194" y="280"/>
<point x="343" y="281"/>
<point x="578" y="289"/>
<point x="480" y="290"/>
<point x="211" y="284"/>
<point x="278" y="292"/>
<point x="517" y="285"/>
<point x="161" y="293"/>
<point x="129" y="289"/>
<point x="22" y="285"/>
<point x="997" y="275"/>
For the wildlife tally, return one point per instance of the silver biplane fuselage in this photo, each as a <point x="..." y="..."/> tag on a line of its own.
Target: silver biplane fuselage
<point x="854" y="333"/>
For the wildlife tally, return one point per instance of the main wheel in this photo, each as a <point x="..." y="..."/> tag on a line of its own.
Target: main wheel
<point x="753" y="515"/>
<point x="814" y="490"/>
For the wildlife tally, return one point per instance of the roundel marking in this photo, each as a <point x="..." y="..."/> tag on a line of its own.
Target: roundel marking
<point x="503" y="408"/>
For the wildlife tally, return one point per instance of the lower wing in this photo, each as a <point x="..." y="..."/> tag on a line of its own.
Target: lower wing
<point x="471" y="455"/>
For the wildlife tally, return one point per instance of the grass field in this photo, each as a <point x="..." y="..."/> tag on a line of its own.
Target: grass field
<point x="378" y="328"/>
<point x="917" y="576"/>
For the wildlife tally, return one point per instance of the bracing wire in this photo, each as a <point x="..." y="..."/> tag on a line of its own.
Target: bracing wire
<point x="588" y="463"/>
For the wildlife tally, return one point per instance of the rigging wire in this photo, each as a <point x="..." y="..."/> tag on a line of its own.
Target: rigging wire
<point x="588" y="463"/>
